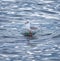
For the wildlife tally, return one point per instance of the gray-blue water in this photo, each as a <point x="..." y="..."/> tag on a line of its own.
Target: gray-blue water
<point x="45" y="46"/>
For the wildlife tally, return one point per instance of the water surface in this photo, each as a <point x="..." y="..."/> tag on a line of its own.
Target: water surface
<point x="45" y="46"/>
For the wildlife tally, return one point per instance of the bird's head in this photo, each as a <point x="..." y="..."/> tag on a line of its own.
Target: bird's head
<point x="27" y="22"/>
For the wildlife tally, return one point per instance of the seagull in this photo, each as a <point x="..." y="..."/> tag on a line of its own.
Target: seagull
<point x="28" y="30"/>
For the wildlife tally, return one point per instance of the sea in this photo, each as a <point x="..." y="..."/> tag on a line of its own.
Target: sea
<point x="44" y="45"/>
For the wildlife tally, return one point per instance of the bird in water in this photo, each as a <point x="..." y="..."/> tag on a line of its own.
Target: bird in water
<point x="29" y="31"/>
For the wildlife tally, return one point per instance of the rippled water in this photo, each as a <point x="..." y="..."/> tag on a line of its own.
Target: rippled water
<point x="45" y="46"/>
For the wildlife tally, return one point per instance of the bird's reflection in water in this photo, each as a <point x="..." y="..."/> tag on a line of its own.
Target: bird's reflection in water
<point x="29" y="40"/>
